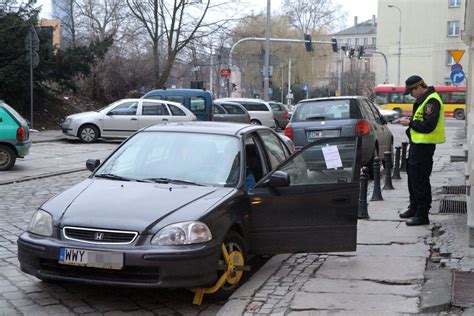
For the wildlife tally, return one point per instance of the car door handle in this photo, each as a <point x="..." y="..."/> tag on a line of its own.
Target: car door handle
<point x="165" y="120"/>
<point x="133" y="119"/>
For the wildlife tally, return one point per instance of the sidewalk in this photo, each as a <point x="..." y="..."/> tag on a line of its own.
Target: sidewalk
<point x="46" y="136"/>
<point x="396" y="269"/>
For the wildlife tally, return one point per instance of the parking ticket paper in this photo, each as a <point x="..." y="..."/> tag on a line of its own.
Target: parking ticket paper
<point x="332" y="157"/>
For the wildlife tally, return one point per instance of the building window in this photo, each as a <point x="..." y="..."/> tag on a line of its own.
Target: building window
<point x="366" y="41"/>
<point x="454" y="3"/>
<point x="453" y="28"/>
<point x="449" y="59"/>
<point x="374" y="41"/>
<point x="356" y="42"/>
<point x="349" y="42"/>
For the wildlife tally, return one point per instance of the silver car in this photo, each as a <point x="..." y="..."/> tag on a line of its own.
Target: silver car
<point x="229" y="112"/>
<point x="123" y="118"/>
<point x="260" y="111"/>
<point x="319" y="118"/>
<point x="280" y="114"/>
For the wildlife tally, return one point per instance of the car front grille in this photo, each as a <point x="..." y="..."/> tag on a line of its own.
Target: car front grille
<point x="99" y="236"/>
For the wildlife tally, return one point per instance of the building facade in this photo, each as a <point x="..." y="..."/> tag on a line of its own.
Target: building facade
<point x="428" y="29"/>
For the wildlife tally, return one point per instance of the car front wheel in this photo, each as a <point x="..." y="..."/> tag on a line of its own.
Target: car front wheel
<point x="255" y="122"/>
<point x="88" y="134"/>
<point x="7" y="158"/>
<point x="459" y="114"/>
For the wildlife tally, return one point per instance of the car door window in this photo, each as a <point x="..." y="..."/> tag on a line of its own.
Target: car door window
<point x="152" y="108"/>
<point x="176" y="111"/>
<point x="217" y="109"/>
<point x="366" y="109"/>
<point x="254" y="106"/>
<point x="233" y="109"/>
<point x="324" y="161"/>
<point x="126" y="108"/>
<point x="175" y="98"/>
<point x="274" y="148"/>
<point x="377" y="115"/>
<point x="254" y="166"/>
<point x="198" y="104"/>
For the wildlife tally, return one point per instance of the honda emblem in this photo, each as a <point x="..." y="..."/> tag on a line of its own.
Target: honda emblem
<point x="98" y="236"/>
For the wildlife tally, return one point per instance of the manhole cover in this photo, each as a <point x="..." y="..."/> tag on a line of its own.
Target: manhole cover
<point x="451" y="206"/>
<point x="456" y="189"/>
<point x="463" y="289"/>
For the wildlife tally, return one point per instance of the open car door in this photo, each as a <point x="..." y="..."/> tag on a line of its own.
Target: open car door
<point x="309" y="202"/>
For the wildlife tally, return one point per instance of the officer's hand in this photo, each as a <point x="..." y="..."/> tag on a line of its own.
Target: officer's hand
<point x="404" y="121"/>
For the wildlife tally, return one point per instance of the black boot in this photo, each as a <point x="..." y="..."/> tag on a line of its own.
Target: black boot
<point x="410" y="212"/>
<point x="421" y="218"/>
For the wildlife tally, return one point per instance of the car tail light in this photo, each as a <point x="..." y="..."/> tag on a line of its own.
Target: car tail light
<point x="194" y="119"/>
<point x="285" y="116"/>
<point x="362" y="128"/>
<point x="21" y="134"/>
<point x="288" y="131"/>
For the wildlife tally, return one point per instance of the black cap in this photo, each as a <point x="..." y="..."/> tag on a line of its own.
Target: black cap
<point x="412" y="82"/>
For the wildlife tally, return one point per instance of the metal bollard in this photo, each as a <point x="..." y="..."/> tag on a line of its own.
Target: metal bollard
<point x="396" y="168"/>
<point x="388" y="171"/>
<point x="403" y="167"/>
<point x="377" y="194"/>
<point x="364" y="183"/>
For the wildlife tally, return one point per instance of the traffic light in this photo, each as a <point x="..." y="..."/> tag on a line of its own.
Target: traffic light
<point x="351" y="52"/>
<point x="334" y="44"/>
<point x="308" y="44"/>
<point x="361" y="52"/>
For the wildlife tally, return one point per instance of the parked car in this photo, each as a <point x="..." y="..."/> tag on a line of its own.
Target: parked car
<point x="14" y="136"/>
<point x="390" y="115"/>
<point x="260" y="111"/>
<point x="123" y="118"/>
<point x="318" y="118"/>
<point x="224" y="111"/>
<point x="196" y="100"/>
<point x="171" y="208"/>
<point x="280" y="114"/>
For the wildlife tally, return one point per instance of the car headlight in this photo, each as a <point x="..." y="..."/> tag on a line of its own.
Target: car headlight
<point x="41" y="224"/>
<point x="67" y="121"/>
<point x="182" y="234"/>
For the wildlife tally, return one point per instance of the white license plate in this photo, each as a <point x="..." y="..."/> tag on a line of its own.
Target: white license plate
<point x="90" y="258"/>
<point x="324" y="133"/>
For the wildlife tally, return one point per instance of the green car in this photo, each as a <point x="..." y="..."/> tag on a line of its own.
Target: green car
<point x="14" y="136"/>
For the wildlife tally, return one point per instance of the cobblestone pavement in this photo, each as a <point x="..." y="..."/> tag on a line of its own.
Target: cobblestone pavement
<point x="24" y="294"/>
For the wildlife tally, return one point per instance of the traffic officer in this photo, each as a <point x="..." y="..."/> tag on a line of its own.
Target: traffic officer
<point x="425" y="130"/>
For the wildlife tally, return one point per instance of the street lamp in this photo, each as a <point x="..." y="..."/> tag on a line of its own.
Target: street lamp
<point x="399" y="39"/>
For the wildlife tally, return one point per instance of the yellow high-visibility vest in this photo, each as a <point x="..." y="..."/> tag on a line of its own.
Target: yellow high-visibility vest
<point x="438" y="135"/>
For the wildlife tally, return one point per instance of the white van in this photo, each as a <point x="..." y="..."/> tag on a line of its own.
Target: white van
<point x="260" y="111"/>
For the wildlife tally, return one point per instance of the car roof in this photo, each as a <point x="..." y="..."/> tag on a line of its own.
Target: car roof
<point x="151" y="100"/>
<point x="207" y="127"/>
<point x="348" y="97"/>
<point x="240" y="99"/>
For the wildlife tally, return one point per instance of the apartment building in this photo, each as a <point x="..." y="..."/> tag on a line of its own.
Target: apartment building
<point x="428" y="29"/>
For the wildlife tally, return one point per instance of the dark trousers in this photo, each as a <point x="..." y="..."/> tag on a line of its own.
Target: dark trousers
<point x="419" y="167"/>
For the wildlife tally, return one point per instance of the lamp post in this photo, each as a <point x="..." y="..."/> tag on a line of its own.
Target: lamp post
<point x="399" y="39"/>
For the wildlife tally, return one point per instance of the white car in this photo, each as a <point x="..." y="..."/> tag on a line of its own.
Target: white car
<point x="123" y="118"/>
<point x="390" y="115"/>
<point x="260" y="111"/>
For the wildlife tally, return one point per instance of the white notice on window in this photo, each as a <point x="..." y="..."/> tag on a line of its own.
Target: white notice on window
<point x="332" y="157"/>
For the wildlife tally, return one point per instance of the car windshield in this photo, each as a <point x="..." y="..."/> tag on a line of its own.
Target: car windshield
<point x="323" y="110"/>
<point x="176" y="157"/>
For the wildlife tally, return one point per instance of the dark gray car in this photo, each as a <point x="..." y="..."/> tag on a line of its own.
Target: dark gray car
<point x="345" y="116"/>
<point x="230" y="112"/>
<point x="280" y="114"/>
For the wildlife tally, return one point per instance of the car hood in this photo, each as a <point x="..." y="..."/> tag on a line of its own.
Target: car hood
<point x="121" y="205"/>
<point x="84" y="115"/>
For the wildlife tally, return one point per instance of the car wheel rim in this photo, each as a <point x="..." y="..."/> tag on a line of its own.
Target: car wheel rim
<point x="4" y="158"/>
<point x="88" y="134"/>
<point x="235" y="254"/>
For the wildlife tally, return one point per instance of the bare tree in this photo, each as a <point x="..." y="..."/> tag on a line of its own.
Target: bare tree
<point x="312" y="16"/>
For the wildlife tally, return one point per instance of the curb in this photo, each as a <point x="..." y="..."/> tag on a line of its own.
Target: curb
<point x="58" y="139"/>
<point x="47" y="175"/>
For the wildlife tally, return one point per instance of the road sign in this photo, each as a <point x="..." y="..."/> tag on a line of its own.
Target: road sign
<point x="225" y="73"/>
<point x="305" y="87"/>
<point x="456" y="66"/>
<point x="457" y="76"/>
<point x="32" y="40"/>
<point x="457" y="54"/>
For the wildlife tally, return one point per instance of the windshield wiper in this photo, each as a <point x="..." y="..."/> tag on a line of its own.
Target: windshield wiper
<point x="112" y="176"/>
<point x="175" y="181"/>
<point x="316" y="118"/>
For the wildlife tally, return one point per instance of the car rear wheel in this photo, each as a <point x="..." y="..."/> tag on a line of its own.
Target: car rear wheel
<point x="235" y="247"/>
<point x="255" y="122"/>
<point x="7" y="158"/>
<point x="459" y="114"/>
<point x="88" y="134"/>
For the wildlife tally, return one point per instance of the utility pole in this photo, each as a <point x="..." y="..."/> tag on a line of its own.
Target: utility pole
<point x="211" y="88"/>
<point x="266" y="68"/>
<point x="289" y="98"/>
<point x="282" y="81"/>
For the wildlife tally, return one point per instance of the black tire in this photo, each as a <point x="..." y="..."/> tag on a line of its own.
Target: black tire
<point x="7" y="158"/>
<point x="255" y="122"/>
<point x="88" y="133"/>
<point x="459" y="114"/>
<point x="233" y="242"/>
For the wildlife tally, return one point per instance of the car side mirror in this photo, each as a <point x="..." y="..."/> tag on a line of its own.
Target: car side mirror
<point x="278" y="179"/>
<point x="383" y="119"/>
<point x="92" y="164"/>
<point x="110" y="113"/>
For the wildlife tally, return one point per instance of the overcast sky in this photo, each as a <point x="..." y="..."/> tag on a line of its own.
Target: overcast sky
<point x="363" y="9"/>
